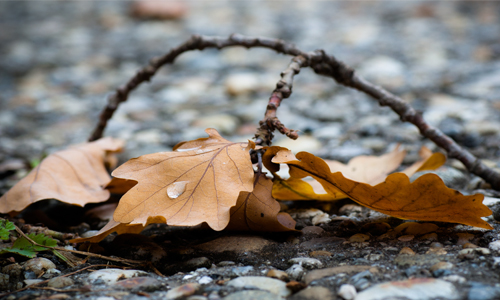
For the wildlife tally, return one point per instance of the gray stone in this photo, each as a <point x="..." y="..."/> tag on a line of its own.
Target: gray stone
<point x="479" y="291"/>
<point x="452" y="177"/>
<point x="182" y="291"/>
<point x="412" y="289"/>
<point x="241" y="271"/>
<point x="347" y="291"/>
<point x="272" y="285"/>
<point x="296" y="272"/>
<point x="195" y="263"/>
<point x="306" y="262"/>
<point x="136" y="284"/>
<point x="38" y="265"/>
<point x="314" y="293"/>
<point x="60" y="282"/>
<point x="252" y="295"/>
<point x="110" y="276"/>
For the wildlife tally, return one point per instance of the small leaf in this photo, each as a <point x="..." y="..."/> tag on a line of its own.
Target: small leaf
<point x="5" y="228"/>
<point x="24" y="247"/>
<point x="75" y="176"/>
<point x="199" y="182"/>
<point x="426" y="199"/>
<point x="114" y="226"/>
<point x="259" y="211"/>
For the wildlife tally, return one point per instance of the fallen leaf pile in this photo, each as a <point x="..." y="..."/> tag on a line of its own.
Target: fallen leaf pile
<point x="212" y="180"/>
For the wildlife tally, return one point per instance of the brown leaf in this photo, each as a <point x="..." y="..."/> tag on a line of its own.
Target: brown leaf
<point x="119" y="228"/>
<point x="75" y="176"/>
<point x="358" y="169"/>
<point x="426" y="199"/>
<point x="259" y="211"/>
<point x="199" y="182"/>
<point x="369" y="169"/>
<point x="428" y="161"/>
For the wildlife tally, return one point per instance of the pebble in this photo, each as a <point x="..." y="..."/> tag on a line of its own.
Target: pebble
<point x="272" y="285"/>
<point x="407" y="251"/>
<point x="110" y="276"/>
<point x="429" y="237"/>
<point x="479" y="291"/>
<point x="327" y="272"/>
<point x="296" y="272"/>
<point x="182" y="291"/>
<point x="494" y="246"/>
<point x="323" y="218"/>
<point x="313" y="293"/>
<point x="347" y="291"/>
<point x="241" y="84"/>
<point x="278" y="274"/>
<point x="306" y="262"/>
<point x="312" y="230"/>
<point x="241" y="271"/>
<point x="60" y="282"/>
<point x="455" y="278"/>
<point x="139" y="284"/>
<point x="320" y="253"/>
<point x="205" y="280"/>
<point x="39" y="265"/>
<point x="252" y="295"/>
<point x="195" y="263"/>
<point x="406" y="238"/>
<point x="483" y="251"/>
<point x="412" y="289"/>
<point x="359" y="238"/>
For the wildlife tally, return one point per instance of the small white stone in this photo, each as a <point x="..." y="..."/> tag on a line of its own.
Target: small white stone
<point x="205" y="280"/>
<point x="455" y="278"/>
<point x="322" y="218"/>
<point x="307" y="262"/>
<point x="110" y="276"/>
<point x="347" y="291"/>
<point x="296" y="272"/>
<point x="189" y="276"/>
<point x="495" y="246"/>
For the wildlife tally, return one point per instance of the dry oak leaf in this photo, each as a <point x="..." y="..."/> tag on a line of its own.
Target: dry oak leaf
<point x="259" y="211"/>
<point x="75" y="176"/>
<point x="366" y="169"/>
<point x="425" y="199"/>
<point x="198" y="182"/>
<point x="119" y="228"/>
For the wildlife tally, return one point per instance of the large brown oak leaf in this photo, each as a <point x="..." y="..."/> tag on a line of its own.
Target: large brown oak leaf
<point x="76" y="176"/>
<point x="198" y="182"/>
<point x="425" y="199"/>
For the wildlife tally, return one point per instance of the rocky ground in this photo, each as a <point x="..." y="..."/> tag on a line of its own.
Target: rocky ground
<point x="60" y="59"/>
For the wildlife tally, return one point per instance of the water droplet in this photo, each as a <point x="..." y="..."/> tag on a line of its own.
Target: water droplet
<point x="176" y="189"/>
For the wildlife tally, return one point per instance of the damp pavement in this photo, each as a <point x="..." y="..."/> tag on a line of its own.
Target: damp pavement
<point x="59" y="60"/>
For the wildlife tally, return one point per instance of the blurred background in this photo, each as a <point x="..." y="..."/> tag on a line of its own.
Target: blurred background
<point x="60" y="59"/>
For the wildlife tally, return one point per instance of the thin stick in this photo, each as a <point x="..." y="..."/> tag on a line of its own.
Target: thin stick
<point x="121" y="260"/>
<point x="322" y="64"/>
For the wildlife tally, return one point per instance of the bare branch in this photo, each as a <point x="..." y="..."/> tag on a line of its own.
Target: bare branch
<point x="322" y="64"/>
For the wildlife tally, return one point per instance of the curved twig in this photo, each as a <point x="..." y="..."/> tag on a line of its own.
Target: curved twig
<point x="322" y="64"/>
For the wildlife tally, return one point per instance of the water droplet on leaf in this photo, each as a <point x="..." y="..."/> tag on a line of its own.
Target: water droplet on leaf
<point x="176" y="189"/>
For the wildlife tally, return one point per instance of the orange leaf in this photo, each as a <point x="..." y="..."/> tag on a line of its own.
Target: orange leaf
<point x="258" y="211"/>
<point x="75" y="176"/>
<point x="366" y="169"/>
<point x="429" y="161"/>
<point x="199" y="182"/>
<point x="369" y="169"/>
<point x="119" y="228"/>
<point x="426" y="199"/>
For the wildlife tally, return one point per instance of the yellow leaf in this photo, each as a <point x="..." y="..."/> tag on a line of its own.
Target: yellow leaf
<point x="259" y="211"/>
<point x="199" y="182"/>
<point x="75" y="176"/>
<point x="426" y="199"/>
